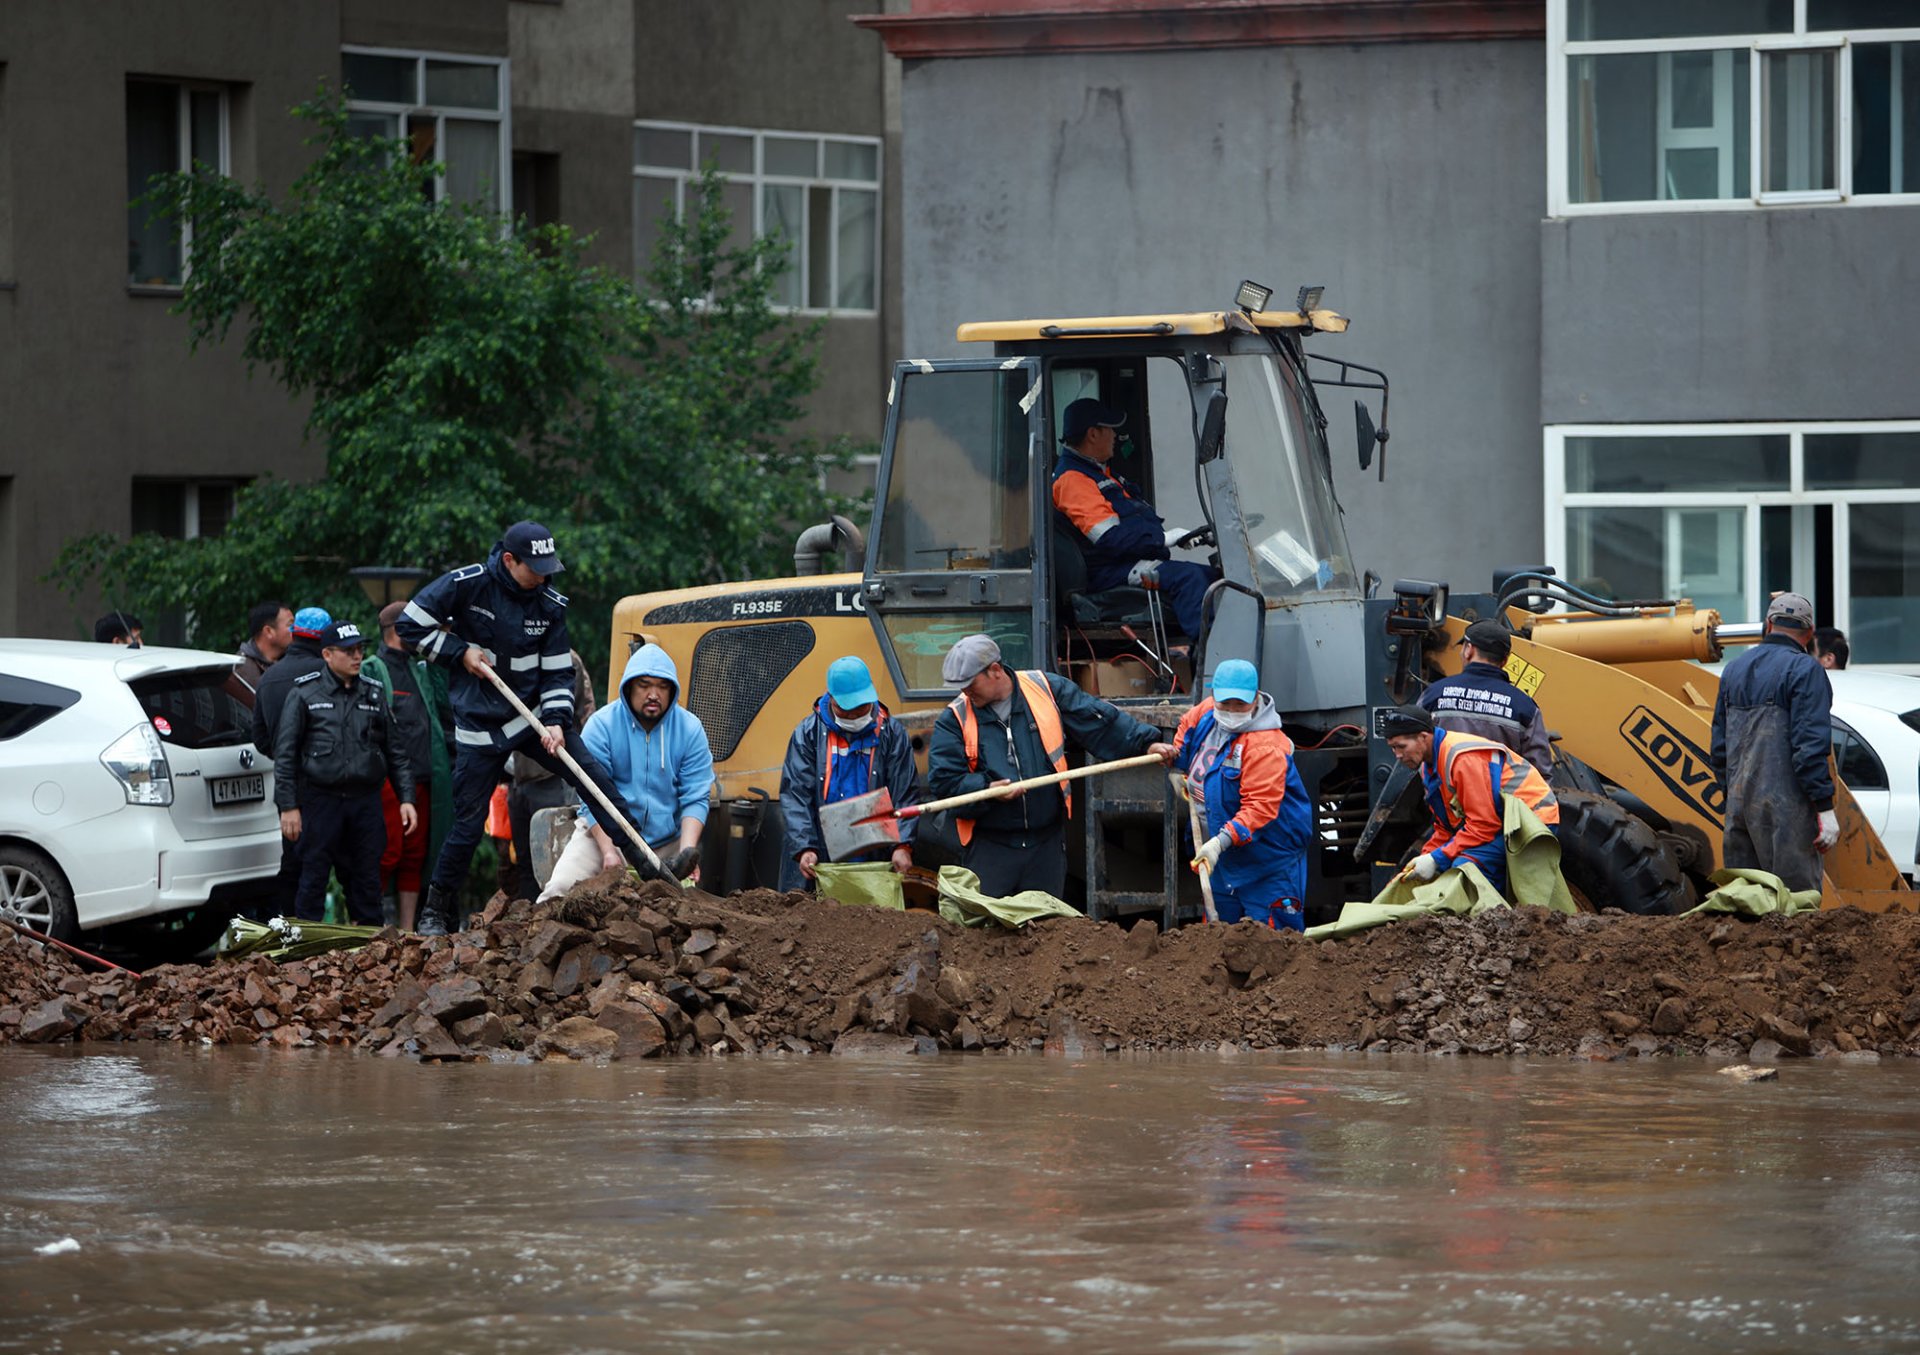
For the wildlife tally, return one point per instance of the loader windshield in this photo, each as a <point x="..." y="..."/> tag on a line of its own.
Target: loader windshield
<point x="1280" y="470"/>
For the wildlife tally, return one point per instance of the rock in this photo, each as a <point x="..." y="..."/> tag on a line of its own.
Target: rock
<point x="54" y="1019"/>
<point x="579" y="968"/>
<point x="628" y="938"/>
<point x="550" y="941"/>
<point x="404" y="998"/>
<point x="1911" y="1012"/>
<point x="699" y="942"/>
<point x="1845" y="1042"/>
<point x="485" y="1031"/>
<point x="1143" y="939"/>
<point x="1519" y="1031"/>
<point x="1669" y="983"/>
<point x="866" y="1043"/>
<point x="1741" y="1072"/>
<point x="578" y="1037"/>
<point x="1620" y="1023"/>
<point x="666" y="1011"/>
<point x="966" y="1035"/>
<point x="917" y="996"/>
<point x="707" y="1028"/>
<point x="534" y="979"/>
<point x="1793" y="1038"/>
<point x="638" y="1031"/>
<point x="432" y="1043"/>
<point x="1595" y="1048"/>
<point x="1765" y="1051"/>
<point x="957" y="986"/>
<point x="1064" y="1039"/>
<point x="1670" y="1017"/>
<point x="726" y="955"/>
<point x="455" y="999"/>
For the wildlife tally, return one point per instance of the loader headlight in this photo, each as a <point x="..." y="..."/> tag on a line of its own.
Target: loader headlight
<point x="1251" y="296"/>
<point x="138" y="762"/>
<point x="1419" y="608"/>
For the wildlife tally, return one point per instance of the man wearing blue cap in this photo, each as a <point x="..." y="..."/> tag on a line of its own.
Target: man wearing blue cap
<point x="302" y="656"/>
<point x="847" y="746"/>
<point x="1126" y="542"/>
<point x="1239" y="767"/>
<point x="500" y="615"/>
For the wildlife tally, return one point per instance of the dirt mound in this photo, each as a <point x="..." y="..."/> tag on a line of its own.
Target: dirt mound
<point x="618" y="970"/>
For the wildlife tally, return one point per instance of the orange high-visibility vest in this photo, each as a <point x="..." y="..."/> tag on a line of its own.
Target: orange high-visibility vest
<point x="1046" y="717"/>
<point x="1517" y="777"/>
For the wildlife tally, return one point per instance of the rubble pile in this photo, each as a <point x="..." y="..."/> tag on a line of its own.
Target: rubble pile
<point x="618" y="971"/>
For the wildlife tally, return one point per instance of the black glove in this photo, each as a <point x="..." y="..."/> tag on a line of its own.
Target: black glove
<point x="682" y="863"/>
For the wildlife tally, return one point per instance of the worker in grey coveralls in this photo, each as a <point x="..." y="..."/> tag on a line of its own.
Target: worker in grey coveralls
<point x="1772" y="730"/>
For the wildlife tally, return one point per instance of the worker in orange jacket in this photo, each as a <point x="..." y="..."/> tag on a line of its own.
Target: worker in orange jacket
<point x="1466" y="779"/>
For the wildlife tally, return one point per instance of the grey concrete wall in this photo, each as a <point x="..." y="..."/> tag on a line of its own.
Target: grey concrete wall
<point x="1802" y="313"/>
<point x="476" y="26"/>
<point x="760" y="63"/>
<point x="1407" y="179"/>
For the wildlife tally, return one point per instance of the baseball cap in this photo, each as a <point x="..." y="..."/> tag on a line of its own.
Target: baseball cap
<point x="1790" y="609"/>
<point x="1491" y="638"/>
<point x="1405" y="720"/>
<point x="968" y="658"/>
<point x="390" y="614"/>
<point x="310" y="621"/>
<point x="1084" y="414"/>
<point x="850" y="684"/>
<point x="342" y="635"/>
<point x="532" y="545"/>
<point x="1236" y="680"/>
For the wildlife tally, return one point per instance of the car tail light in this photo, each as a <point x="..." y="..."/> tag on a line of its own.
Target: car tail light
<point x="139" y="763"/>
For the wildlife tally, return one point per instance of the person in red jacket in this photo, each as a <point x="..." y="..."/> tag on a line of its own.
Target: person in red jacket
<point x="1466" y="779"/>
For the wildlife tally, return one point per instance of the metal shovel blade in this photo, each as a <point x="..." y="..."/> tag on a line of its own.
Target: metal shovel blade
<point x="854" y="826"/>
<point x="547" y="838"/>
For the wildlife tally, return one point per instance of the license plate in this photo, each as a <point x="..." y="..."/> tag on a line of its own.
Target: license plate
<point x="238" y="790"/>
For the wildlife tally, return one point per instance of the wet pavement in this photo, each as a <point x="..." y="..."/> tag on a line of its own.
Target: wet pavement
<point x="250" y="1201"/>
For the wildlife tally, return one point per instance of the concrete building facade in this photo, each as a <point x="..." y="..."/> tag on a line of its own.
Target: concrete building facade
<point x="109" y="424"/>
<point x="1634" y="268"/>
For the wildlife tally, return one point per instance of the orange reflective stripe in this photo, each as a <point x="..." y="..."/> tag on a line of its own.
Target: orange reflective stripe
<point x="1517" y="777"/>
<point x="1046" y="718"/>
<point x="834" y="744"/>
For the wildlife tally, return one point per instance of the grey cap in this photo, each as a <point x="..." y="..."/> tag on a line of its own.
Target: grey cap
<point x="1791" y="610"/>
<point x="968" y="659"/>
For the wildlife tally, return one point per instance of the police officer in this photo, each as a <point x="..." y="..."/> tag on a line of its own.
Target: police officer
<point x="302" y="656"/>
<point x="1480" y="700"/>
<point x="337" y="744"/>
<point x="501" y="615"/>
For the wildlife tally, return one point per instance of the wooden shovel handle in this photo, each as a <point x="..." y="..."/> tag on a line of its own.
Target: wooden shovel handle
<point x="1050" y="779"/>
<point x="587" y="783"/>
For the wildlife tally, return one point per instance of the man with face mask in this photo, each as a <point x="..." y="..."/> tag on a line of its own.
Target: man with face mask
<point x="847" y="746"/>
<point x="657" y="754"/>
<point x="1253" y="805"/>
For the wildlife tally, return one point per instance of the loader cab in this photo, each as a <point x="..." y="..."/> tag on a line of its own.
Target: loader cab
<point x="1221" y="433"/>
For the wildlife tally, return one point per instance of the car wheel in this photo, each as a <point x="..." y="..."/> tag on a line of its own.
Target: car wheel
<point x="33" y="893"/>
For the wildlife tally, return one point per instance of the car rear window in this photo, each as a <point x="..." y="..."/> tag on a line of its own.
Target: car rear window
<point x="25" y="704"/>
<point x="194" y="709"/>
<point x="1911" y="720"/>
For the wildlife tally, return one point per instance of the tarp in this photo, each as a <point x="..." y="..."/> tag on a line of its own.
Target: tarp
<point x="874" y="884"/>
<point x="962" y="902"/>
<point x="1533" y="873"/>
<point x="1755" y="893"/>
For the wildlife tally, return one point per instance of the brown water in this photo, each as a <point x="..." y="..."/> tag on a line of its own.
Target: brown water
<point x="242" y="1202"/>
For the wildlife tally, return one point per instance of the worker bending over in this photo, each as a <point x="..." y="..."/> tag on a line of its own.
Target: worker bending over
<point x="1007" y="726"/>
<point x="1240" y="771"/>
<point x="1127" y="543"/>
<point x="1465" y="778"/>
<point x="847" y="746"/>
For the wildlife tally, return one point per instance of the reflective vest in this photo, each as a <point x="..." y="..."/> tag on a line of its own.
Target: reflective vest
<point x="1046" y="718"/>
<point x="1517" y="777"/>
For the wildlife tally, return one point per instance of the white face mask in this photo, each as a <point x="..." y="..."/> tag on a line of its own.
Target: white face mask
<point x="1232" y="721"/>
<point x="851" y="724"/>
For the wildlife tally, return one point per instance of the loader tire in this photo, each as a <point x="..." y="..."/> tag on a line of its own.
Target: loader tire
<point x="1613" y="860"/>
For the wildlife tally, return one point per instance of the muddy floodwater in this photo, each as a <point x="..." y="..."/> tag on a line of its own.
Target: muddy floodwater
<point x="245" y="1201"/>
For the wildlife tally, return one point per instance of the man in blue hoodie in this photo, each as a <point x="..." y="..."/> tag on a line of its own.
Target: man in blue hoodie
<point x="500" y="615"/>
<point x="656" y="752"/>
<point x="849" y="745"/>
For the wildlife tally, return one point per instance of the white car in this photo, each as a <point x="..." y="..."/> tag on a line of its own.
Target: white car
<point x="129" y="788"/>
<point x="1876" y="745"/>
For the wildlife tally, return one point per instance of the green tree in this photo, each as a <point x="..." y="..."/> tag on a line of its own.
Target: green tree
<point x="462" y="377"/>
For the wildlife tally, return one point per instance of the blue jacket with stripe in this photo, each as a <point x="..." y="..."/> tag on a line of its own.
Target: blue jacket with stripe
<point x="525" y="632"/>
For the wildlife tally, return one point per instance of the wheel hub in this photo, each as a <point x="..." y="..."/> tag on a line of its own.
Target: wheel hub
<point x="25" y="899"/>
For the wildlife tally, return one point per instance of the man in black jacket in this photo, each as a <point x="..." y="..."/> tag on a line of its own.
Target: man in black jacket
<point x="501" y="615"/>
<point x="1772" y="733"/>
<point x="337" y="744"/>
<point x="1007" y="726"/>
<point x="302" y="656"/>
<point x="1481" y="700"/>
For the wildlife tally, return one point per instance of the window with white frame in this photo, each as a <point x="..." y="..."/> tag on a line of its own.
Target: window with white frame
<point x="819" y="193"/>
<point x="171" y="124"/>
<point x="1727" y="514"/>
<point x="1721" y="103"/>
<point x="450" y="109"/>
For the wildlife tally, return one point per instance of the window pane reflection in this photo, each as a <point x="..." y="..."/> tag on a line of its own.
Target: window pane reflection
<point x="1884" y="578"/>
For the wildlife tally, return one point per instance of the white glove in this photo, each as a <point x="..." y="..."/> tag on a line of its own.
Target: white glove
<point x="1426" y="866"/>
<point x="1210" y="851"/>
<point x="1174" y="534"/>
<point x="1828" y="831"/>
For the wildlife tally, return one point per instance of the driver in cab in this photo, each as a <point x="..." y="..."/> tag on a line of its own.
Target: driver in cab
<point x="1126" y="542"/>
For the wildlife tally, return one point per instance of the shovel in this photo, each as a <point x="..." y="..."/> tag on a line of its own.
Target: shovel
<point x="857" y="824"/>
<point x="587" y="783"/>
<point x="1206" y="876"/>
<point x="1001" y="792"/>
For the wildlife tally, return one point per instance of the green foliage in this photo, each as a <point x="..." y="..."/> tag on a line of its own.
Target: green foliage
<point x="462" y="378"/>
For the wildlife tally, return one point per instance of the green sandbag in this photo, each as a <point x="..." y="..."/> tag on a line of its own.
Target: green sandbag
<point x="1533" y="860"/>
<point x="1755" y="893"/>
<point x="1462" y="892"/>
<point x="962" y="902"/>
<point x="873" y="884"/>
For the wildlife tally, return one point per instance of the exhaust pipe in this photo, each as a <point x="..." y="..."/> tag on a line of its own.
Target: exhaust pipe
<point x="836" y="533"/>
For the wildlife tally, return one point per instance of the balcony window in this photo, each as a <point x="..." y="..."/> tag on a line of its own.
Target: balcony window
<point x="170" y="125"/>
<point x="450" y="110"/>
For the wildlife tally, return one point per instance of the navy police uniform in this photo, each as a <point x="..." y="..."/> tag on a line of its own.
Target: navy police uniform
<point x="334" y="744"/>
<point x="523" y="632"/>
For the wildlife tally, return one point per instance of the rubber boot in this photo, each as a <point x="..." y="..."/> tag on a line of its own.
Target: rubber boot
<point x="436" y="912"/>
